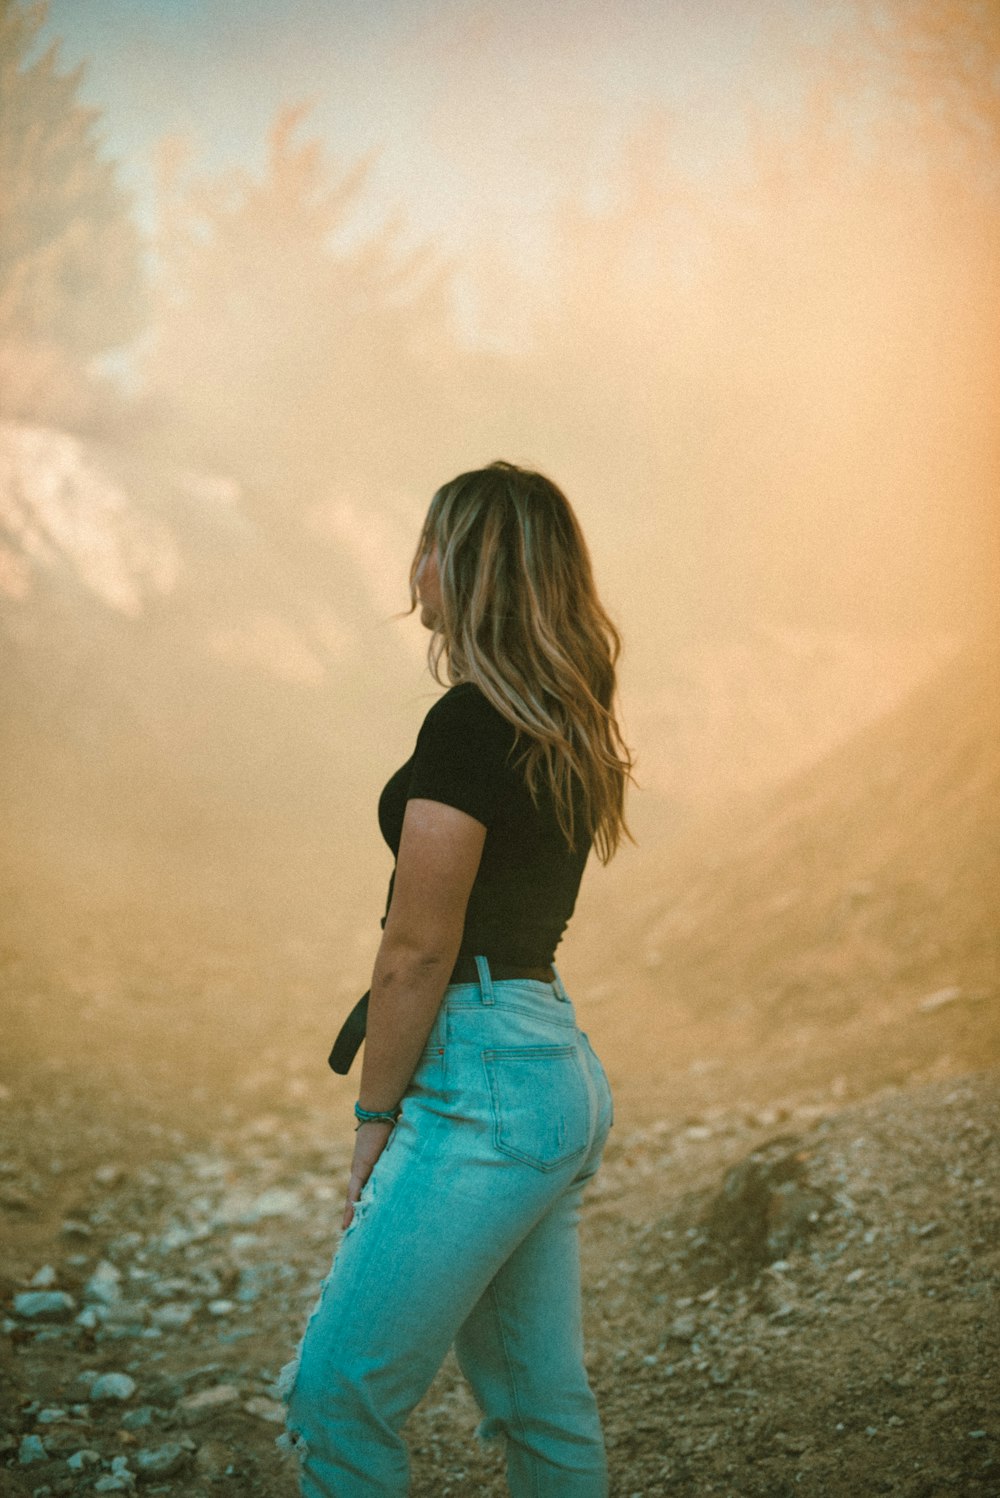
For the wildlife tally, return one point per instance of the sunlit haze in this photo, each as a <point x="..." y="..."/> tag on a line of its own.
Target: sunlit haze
<point x="738" y="265"/>
<point x="271" y="272"/>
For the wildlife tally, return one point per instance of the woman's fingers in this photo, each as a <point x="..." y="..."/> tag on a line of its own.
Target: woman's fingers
<point x="370" y="1142"/>
<point x="354" y="1188"/>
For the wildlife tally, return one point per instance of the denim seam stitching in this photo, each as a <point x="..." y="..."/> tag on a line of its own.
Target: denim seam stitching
<point x="515" y="1402"/>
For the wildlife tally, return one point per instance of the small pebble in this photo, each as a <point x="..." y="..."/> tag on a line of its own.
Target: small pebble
<point x="108" y="1175"/>
<point x="44" y="1305"/>
<point x="110" y="1386"/>
<point x="82" y="1459"/>
<point x="31" y="1449"/>
<point x="118" y="1480"/>
<point x="203" y="1405"/>
<point x="163" y="1461"/>
<point x="173" y="1316"/>
<point x="266" y="1409"/>
<point x="104" y="1285"/>
<point x="138" y="1419"/>
<point x="73" y="1228"/>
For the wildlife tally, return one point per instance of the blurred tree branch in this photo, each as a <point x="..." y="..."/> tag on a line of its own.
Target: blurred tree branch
<point x="289" y="345"/>
<point x="71" y="280"/>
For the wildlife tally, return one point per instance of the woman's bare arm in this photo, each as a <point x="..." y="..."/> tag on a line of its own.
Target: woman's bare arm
<point x="439" y="852"/>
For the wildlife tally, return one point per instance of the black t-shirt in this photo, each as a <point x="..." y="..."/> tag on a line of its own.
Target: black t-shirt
<point x="528" y="878"/>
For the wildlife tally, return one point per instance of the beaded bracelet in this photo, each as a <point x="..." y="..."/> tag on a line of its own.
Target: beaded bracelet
<point x="364" y="1115"/>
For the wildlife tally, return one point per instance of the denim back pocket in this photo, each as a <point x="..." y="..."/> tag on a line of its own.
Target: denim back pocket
<point x="540" y="1102"/>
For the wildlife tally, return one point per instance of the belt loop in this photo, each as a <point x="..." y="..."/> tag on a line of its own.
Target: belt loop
<point x="557" y="984"/>
<point x="485" y="980"/>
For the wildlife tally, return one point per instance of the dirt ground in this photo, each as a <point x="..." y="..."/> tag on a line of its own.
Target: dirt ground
<point x="787" y="1291"/>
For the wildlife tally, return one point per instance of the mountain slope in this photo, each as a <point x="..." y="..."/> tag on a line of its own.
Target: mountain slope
<point x="848" y="918"/>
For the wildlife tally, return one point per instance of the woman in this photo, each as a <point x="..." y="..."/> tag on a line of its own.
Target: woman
<point x="483" y="1111"/>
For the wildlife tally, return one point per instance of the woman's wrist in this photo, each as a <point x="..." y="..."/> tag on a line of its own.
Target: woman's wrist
<point x="376" y="1115"/>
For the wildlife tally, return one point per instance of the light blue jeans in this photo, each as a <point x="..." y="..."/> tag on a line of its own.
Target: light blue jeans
<point x="466" y="1233"/>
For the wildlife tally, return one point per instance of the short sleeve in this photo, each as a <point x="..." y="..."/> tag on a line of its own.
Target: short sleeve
<point x="461" y="753"/>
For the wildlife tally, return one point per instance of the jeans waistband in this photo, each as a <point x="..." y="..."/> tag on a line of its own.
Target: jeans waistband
<point x="493" y="990"/>
<point x="465" y="971"/>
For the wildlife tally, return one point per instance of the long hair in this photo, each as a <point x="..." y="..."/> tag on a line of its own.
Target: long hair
<point x="521" y="619"/>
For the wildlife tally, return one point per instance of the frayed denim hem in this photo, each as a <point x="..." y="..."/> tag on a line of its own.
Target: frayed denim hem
<point x="292" y="1442"/>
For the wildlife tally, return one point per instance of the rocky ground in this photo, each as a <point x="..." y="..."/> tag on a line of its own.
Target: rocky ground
<point x="798" y="1298"/>
<point x="791" y="1255"/>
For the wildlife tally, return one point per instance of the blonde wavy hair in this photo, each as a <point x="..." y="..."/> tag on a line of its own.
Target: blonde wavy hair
<point x="522" y="620"/>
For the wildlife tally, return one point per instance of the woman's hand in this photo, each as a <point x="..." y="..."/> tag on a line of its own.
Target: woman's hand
<point x="369" y="1142"/>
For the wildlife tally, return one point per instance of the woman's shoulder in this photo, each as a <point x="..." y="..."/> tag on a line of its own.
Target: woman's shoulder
<point x="464" y="707"/>
<point x="467" y="696"/>
<point x="461" y="754"/>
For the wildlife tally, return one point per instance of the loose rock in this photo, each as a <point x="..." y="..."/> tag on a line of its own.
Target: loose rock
<point x="44" y="1305"/>
<point x="81" y="1460"/>
<point x="195" y="1408"/>
<point x="104" y="1285"/>
<point x="765" y="1206"/>
<point x="31" y="1449"/>
<point x="138" y="1419"/>
<point x="111" y="1386"/>
<point x="173" y="1316"/>
<point x="118" y="1480"/>
<point x="162" y="1461"/>
<point x="266" y="1409"/>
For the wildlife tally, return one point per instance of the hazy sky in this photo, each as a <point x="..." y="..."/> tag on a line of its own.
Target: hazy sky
<point x="784" y="364"/>
<point x="479" y="113"/>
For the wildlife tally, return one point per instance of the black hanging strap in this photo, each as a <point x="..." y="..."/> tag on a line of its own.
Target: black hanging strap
<point x="352" y="1033"/>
